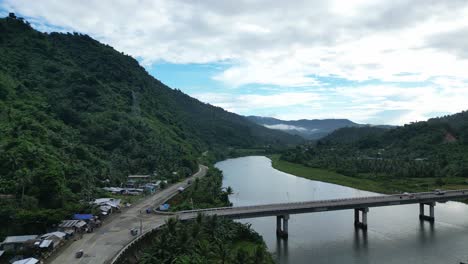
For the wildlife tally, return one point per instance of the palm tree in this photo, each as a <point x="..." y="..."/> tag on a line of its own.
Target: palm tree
<point x="199" y="218"/>
<point x="242" y="256"/>
<point x="23" y="178"/>
<point x="222" y="251"/>
<point x="259" y="255"/>
<point x="171" y="224"/>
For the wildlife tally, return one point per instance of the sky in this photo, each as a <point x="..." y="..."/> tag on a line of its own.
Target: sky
<point x="378" y="62"/>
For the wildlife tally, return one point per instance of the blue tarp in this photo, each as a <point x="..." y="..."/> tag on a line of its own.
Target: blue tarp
<point x="83" y="216"/>
<point x="164" y="207"/>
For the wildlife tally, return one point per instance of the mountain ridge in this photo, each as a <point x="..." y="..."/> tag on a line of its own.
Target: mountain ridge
<point x="76" y="113"/>
<point x="311" y="129"/>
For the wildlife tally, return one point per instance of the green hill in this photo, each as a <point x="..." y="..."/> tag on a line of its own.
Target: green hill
<point x="435" y="150"/>
<point x="75" y="112"/>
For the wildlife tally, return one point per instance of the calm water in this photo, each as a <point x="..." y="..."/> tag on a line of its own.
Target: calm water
<point x="395" y="234"/>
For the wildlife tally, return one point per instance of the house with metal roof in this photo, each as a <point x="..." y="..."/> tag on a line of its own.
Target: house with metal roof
<point x="71" y="226"/>
<point x="27" y="261"/>
<point x="18" y="243"/>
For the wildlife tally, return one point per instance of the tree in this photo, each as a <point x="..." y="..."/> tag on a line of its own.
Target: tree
<point x="23" y="178"/>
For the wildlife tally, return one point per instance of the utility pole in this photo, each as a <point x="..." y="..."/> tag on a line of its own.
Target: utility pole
<point x="141" y="227"/>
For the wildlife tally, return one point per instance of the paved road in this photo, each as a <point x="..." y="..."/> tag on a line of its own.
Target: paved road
<point x="102" y="245"/>
<point x="325" y="205"/>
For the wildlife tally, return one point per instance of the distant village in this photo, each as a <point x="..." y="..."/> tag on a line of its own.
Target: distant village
<point x="34" y="248"/>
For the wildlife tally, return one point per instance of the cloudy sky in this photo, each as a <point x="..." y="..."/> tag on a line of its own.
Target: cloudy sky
<point x="382" y="62"/>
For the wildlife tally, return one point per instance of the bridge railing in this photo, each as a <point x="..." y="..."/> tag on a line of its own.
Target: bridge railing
<point x="301" y="203"/>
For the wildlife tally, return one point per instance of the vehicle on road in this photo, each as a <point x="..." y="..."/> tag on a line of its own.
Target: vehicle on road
<point x="134" y="231"/>
<point x="79" y="253"/>
<point x="439" y="192"/>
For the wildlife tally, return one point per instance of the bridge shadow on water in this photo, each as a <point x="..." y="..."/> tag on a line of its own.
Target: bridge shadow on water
<point x="426" y="231"/>
<point x="282" y="250"/>
<point x="360" y="240"/>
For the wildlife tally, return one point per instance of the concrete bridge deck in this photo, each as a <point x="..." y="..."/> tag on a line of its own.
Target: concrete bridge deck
<point x="359" y="204"/>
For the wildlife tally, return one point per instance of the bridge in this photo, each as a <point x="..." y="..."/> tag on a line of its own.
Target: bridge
<point x="360" y="205"/>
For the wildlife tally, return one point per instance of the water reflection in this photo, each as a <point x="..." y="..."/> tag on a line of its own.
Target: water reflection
<point x="426" y="231"/>
<point x="360" y="240"/>
<point x="282" y="250"/>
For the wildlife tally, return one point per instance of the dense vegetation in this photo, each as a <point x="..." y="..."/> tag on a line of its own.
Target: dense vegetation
<point x="205" y="192"/>
<point x="206" y="240"/>
<point x="422" y="154"/>
<point x="75" y="113"/>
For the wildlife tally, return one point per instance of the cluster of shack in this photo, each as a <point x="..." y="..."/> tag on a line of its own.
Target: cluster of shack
<point x="136" y="185"/>
<point x="31" y="249"/>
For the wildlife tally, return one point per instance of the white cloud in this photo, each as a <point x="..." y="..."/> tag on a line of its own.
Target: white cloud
<point x="286" y="127"/>
<point x="291" y="44"/>
<point x="244" y="103"/>
<point x="281" y="42"/>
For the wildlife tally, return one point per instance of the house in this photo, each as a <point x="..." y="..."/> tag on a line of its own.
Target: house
<point x="138" y="177"/>
<point x="150" y="187"/>
<point x="56" y="237"/>
<point x="45" y="245"/>
<point x="107" y="205"/>
<point x="115" y="190"/>
<point x="135" y="180"/>
<point x="18" y="243"/>
<point x="72" y="226"/>
<point x="27" y="261"/>
<point x="113" y="203"/>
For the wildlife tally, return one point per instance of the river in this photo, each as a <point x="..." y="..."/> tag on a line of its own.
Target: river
<point x="394" y="235"/>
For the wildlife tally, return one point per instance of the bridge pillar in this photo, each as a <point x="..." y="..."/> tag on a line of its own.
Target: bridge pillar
<point x="429" y="217"/>
<point x="282" y="226"/>
<point x="361" y="223"/>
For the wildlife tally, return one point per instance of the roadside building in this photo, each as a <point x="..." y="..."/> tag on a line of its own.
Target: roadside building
<point x="18" y="243"/>
<point x="135" y="181"/>
<point x="70" y="227"/>
<point x="150" y="187"/>
<point x="91" y="221"/>
<point x="56" y="237"/>
<point x="45" y="245"/>
<point x="107" y="205"/>
<point x="27" y="261"/>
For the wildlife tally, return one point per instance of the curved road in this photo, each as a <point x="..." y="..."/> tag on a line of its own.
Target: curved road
<point x="102" y="245"/>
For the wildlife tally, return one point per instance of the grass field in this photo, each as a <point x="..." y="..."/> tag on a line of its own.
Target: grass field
<point x="380" y="184"/>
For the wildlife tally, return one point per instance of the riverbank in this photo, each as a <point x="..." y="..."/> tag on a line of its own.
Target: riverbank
<point x="379" y="184"/>
<point x="196" y="241"/>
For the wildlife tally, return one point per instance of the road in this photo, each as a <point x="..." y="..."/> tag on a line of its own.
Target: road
<point x="102" y="245"/>
<point x="325" y="205"/>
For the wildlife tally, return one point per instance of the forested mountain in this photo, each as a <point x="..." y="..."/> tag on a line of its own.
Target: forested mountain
<point x="308" y="129"/>
<point x="75" y="112"/>
<point x="434" y="149"/>
<point x="353" y="134"/>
